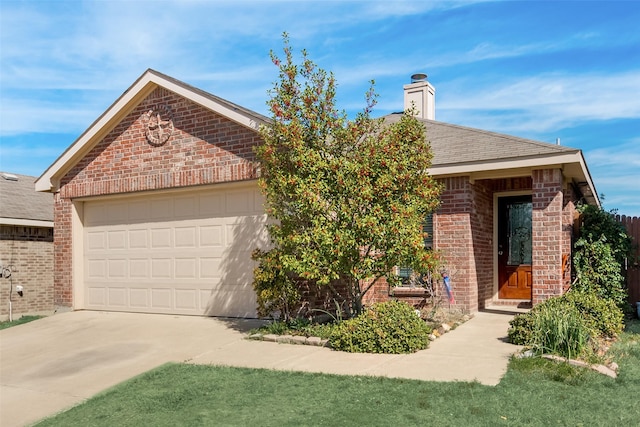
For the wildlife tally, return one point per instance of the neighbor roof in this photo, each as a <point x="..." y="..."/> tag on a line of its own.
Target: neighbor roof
<point x="20" y="204"/>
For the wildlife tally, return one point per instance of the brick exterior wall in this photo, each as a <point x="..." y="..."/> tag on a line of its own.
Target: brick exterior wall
<point x="464" y="232"/>
<point x="482" y="229"/>
<point x="205" y="148"/>
<point x="549" y="240"/>
<point x="453" y="236"/>
<point x="28" y="251"/>
<point x="569" y="215"/>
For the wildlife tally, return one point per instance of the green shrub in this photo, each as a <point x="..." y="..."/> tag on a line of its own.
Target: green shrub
<point x="276" y="290"/>
<point x="565" y="325"/>
<point x="521" y="328"/>
<point x="603" y="316"/>
<point x="560" y="329"/>
<point x="387" y="327"/>
<point x="598" y="272"/>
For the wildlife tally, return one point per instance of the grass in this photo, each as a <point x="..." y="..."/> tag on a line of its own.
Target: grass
<point x="24" y="319"/>
<point x="534" y="392"/>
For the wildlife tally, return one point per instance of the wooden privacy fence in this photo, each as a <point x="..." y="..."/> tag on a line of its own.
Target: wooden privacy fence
<point x="632" y="269"/>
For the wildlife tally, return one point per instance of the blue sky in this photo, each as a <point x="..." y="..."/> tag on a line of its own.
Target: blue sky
<point x="539" y="70"/>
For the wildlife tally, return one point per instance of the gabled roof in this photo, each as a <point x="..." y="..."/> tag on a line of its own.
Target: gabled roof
<point x="459" y="150"/>
<point x="21" y="204"/>
<point x="146" y="83"/>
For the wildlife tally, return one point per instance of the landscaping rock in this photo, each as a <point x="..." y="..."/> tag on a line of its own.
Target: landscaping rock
<point x="285" y="339"/>
<point x="314" y="341"/>
<point x="598" y="368"/>
<point x="445" y="327"/>
<point x="432" y="337"/>
<point x="270" y="337"/>
<point x="298" y="340"/>
<point x="255" y="337"/>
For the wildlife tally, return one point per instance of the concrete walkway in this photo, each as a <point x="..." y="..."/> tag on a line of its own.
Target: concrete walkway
<point x="54" y="363"/>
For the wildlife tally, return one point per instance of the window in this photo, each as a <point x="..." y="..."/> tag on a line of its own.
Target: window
<point x="409" y="279"/>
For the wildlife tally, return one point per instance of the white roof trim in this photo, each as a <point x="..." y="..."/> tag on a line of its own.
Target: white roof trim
<point x="497" y="168"/>
<point x="49" y="180"/>
<point x="533" y="162"/>
<point x="26" y="222"/>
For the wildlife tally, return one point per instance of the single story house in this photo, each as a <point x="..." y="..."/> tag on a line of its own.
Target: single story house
<point x="26" y="247"/>
<point x="157" y="207"/>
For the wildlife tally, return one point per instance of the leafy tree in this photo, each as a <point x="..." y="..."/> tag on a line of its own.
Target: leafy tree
<point x="348" y="197"/>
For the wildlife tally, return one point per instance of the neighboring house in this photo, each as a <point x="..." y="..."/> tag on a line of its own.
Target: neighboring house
<point x="26" y="247"/>
<point x="157" y="207"/>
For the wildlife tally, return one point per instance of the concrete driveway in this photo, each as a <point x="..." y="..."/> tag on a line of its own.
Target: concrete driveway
<point x="54" y="363"/>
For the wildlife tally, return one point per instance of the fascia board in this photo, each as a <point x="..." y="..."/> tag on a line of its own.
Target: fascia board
<point x="26" y="222"/>
<point x="531" y="163"/>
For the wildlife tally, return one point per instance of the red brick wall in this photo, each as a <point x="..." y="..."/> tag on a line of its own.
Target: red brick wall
<point x="453" y="235"/>
<point x="548" y="237"/>
<point x="482" y="231"/>
<point x="204" y="148"/>
<point x="569" y="215"/>
<point x="28" y="252"/>
<point x="62" y="255"/>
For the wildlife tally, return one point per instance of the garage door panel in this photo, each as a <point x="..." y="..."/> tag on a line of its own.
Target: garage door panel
<point x="97" y="268"/>
<point x="138" y="239"/>
<point x="230" y="299"/>
<point x="117" y="268"/>
<point x="161" y="299"/>
<point x="139" y="298"/>
<point x="118" y="297"/>
<point x="161" y="238"/>
<point x="185" y="237"/>
<point x="139" y="268"/>
<point x="96" y="297"/>
<point x="211" y="205"/>
<point x="139" y="211"/>
<point x="182" y="254"/>
<point x="161" y="268"/>
<point x="211" y="236"/>
<point x="161" y="209"/>
<point x="186" y="299"/>
<point x="186" y="268"/>
<point x="96" y="240"/>
<point x="185" y="207"/>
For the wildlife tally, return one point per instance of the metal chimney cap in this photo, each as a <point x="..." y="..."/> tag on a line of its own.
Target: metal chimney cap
<point x="418" y="77"/>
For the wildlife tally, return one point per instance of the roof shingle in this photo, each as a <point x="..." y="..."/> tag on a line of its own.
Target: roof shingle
<point x="19" y="200"/>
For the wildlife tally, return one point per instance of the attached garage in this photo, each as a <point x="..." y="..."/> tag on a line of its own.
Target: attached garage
<point x="186" y="252"/>
<point x="157" y="207"/>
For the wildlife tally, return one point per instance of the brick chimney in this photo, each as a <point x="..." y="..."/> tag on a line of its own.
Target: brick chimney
<point x="422" y="96"/>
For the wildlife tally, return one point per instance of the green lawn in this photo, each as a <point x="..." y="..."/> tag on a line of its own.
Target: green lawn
<point x="533" y="392"/>
<point x="24" y="319"/>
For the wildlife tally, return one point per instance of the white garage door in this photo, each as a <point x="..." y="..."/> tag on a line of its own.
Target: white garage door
<point x="178" y="253"/>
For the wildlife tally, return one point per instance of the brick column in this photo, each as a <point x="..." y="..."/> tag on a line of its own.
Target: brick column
<point x="63" y="253"/>
<point x="454" y="238"/>
<point x="547" y="244"/>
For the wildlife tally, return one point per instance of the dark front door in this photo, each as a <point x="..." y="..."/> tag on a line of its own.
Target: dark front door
<point x="514" y="247"/>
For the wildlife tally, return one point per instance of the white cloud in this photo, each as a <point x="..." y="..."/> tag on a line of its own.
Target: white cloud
<point x="544" y="102"/>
